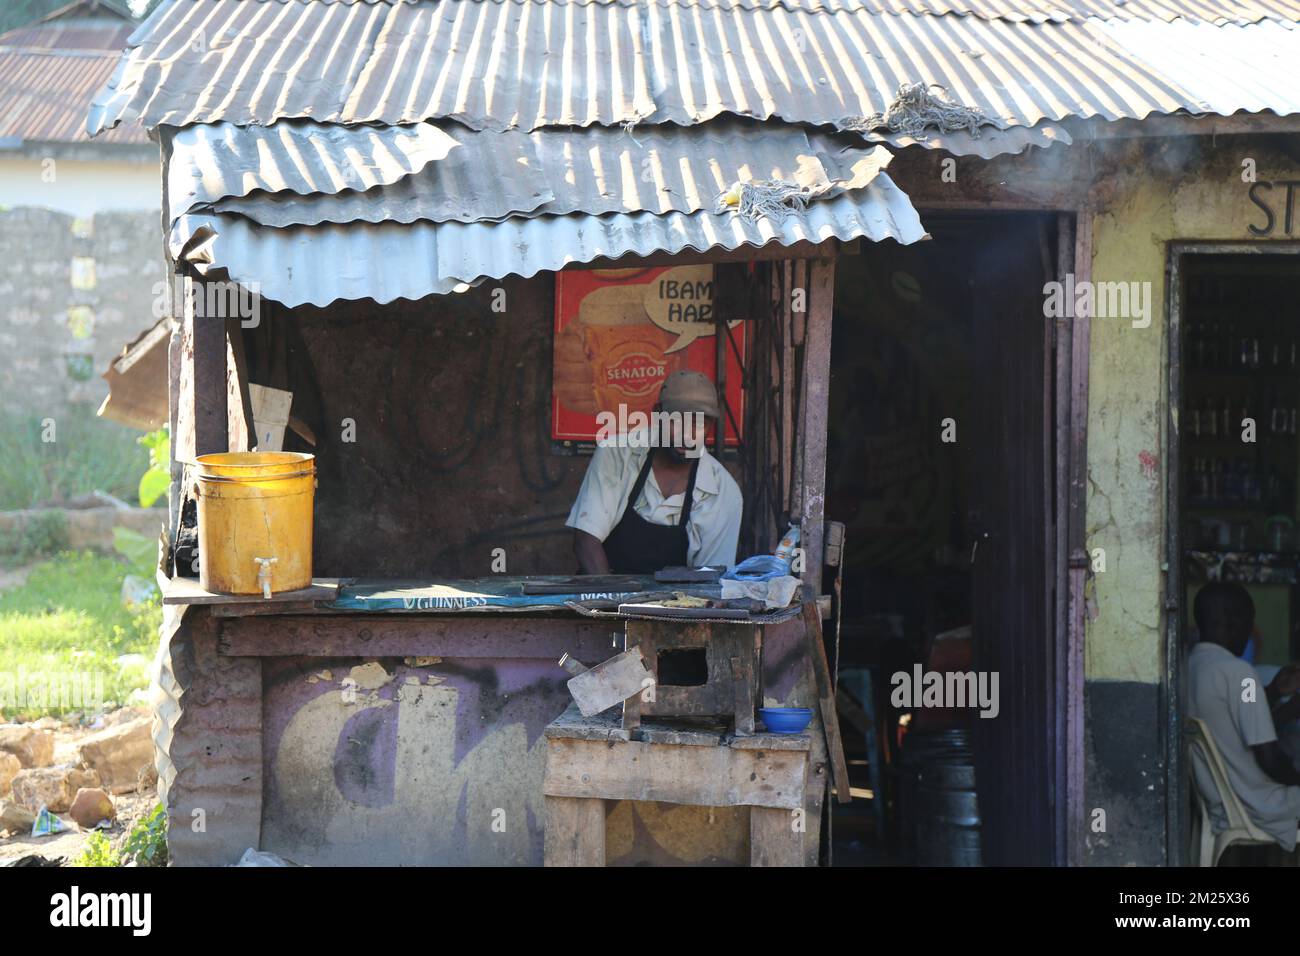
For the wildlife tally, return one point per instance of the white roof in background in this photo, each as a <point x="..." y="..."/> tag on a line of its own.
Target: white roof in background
<point x="1226" y="68"/>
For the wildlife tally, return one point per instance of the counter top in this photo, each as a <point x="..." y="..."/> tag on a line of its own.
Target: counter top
<point x="429" y="595"/>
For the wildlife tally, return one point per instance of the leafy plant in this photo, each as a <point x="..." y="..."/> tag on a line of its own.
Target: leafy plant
<point x="158" y="478"/>
<point x="146" y="844"/>
<point x="98" y="852"/>
<point x="51" y="460"/>
<point x="141" y="552"/>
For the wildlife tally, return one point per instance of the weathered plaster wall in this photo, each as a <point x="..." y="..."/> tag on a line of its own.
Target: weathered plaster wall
<point x="80" y="183"/>
<point x="1184" y="189"/>
<point x="1161" y="191"/>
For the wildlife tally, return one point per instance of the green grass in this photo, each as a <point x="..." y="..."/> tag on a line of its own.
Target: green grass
<point x="86" y="454"/>
<point x="65" y="628"/>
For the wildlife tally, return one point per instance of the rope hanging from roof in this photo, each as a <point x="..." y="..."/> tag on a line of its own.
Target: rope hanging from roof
<point x="915" y="108"/>
<point x="774" y="198"/>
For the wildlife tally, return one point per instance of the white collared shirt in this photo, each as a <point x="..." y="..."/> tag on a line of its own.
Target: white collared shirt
<point x="1215" y="684"/>
<point x="714" y="529"/>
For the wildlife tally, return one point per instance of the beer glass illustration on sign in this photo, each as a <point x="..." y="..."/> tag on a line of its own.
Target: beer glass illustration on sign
<point x="620" y="332"/>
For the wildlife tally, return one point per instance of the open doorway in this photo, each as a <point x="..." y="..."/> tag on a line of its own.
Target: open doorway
<point x="941" y="465"/>
<point x="1234" y="502"/>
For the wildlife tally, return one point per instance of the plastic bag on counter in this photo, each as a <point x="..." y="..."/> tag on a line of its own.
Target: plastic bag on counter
<point x="774" y="592"/>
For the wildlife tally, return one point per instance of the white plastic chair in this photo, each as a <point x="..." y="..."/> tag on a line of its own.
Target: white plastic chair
<point x="1240" y="827"/>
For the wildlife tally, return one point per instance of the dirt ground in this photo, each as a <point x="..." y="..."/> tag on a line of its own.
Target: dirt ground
<point x="69" y="844"/>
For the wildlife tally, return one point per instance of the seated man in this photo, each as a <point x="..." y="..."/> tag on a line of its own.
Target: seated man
<point x="641" y="509"/>
<point x="1226" y="692"/>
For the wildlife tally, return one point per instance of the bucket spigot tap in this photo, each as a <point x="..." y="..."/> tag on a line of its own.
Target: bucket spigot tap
<point x="264" y="575"/>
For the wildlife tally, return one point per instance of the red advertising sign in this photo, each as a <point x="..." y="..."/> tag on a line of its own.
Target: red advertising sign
<point x="620" y="332"/>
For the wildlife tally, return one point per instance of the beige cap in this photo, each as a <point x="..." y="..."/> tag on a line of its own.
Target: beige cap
<point x="688" y="391"/>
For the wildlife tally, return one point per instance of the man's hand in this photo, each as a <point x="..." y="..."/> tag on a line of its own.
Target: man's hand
<point x="1287" y="681"/>
<point x="590" y="552"/>
<point x="1287" y="712"/>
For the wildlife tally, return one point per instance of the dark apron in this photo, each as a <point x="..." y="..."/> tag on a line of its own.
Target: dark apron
<point x="637" y="546"/>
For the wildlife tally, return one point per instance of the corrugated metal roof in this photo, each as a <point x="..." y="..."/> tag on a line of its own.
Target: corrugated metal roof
<point x="488" y="176"/>
<point x="823" y="68"/>
<point x="75" y="34"/>
<point x="531" y="64"/>
<point x="50" y="71"/>
<point x="1224" y="68"/>
<point x="1039" y="11"/>
<point x="387" y="261"/>
<point x="211" y="162"/>
<point x="44" y="95"/>
<point x="492" y="175"/>
<point x="1035" y="11"/>
<point x="989" y="143"/>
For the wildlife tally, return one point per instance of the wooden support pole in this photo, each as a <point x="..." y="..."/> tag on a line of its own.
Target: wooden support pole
<point x="201" y="418"/>
<point x="575" y="831"/>
<point x="775" y="837"/>
<point x="812" y="620"/>
<point x="820" y="296"/>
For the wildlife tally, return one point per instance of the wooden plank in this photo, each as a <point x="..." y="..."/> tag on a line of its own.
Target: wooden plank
<point x="631" y="718"/>
<point x="207" y="357"/>
<point x="571" y="725"/>
<point x="188" y="591"/>
<point x="241" y="434"/>
<point x="770" y="252"/>
<point x="517" y="636"/>
<point x="575" y="832"/>
<point x="742" y="685"/>
<point x="268" y="609"/>
<point x="698" y="776"/>
<point x="853" y="712"/>
<point x="826" y="701"/>
<point x="775" y="838"/>
<point x="684" y="613"/>
<point x="659" y="733"/>
<point x="770" y="741"/>
<point x="175" y="493"/>
<point x="817" y="381"/>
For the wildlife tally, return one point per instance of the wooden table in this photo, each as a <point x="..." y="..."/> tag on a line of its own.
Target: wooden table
<point x="589" y="760"/>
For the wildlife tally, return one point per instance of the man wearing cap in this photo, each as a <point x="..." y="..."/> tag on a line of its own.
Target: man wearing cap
<point x="642" y="508"/>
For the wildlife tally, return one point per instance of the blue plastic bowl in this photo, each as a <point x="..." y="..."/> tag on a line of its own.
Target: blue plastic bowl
<point x="786" y="720"/>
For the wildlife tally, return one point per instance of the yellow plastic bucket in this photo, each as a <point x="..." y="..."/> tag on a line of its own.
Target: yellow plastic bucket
<point x="255" y="521"/>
